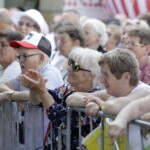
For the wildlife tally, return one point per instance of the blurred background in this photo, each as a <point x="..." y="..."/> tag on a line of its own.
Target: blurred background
<point x="101" y="9"/>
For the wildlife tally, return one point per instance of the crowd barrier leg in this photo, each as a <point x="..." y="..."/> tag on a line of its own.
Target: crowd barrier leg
<point x="68" y="129"/>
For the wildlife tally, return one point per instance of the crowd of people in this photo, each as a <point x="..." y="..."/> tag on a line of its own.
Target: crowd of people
<point x="81" y="62"/>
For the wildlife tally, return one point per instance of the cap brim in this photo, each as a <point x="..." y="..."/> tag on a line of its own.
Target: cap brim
<point x="17" y="44"/>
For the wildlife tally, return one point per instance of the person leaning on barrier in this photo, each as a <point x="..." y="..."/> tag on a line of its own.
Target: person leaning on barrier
<point x="136" y="109"/>
<point x="8" y="63"/>
<point x="83" y="74"/>
<point x="34" y="53"/>
<point x="120" y="76"/>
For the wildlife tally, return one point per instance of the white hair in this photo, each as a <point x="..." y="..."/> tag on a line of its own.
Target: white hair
<point x="136" y="23"/>
<point x="88" y="59"/>
<point x="99" y="28"/>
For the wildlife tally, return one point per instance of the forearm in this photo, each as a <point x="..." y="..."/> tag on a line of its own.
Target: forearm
<point x="46" y="99"/>
<point x="20" y="96"/>
<point x="35" y="98"/>
<point x="116" y="105"/>
<point x="5" y="87"/>
<point x="76" y="100"/>
<point x="102" y="94"/>
<point x="130" y="112"/>
<point x="113" y="107"/>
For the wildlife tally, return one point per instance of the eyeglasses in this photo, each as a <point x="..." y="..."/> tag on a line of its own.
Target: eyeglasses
<point x="24" y="57"/>
<point x="131" y="43"/>
<point x="75" y="66"/>
<point x="26" y="24"/>
<point x="3" y="45"/>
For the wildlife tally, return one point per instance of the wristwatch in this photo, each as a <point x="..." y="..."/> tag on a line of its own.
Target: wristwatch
<point x="8" y="95"/>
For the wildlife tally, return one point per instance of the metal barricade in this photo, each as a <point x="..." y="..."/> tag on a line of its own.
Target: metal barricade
<point x="22" y="131"/>
<point x="100" y="114"/>
<point x="35" y="124"/>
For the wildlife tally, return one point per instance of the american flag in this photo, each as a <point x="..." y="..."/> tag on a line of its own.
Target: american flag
<point x="104" y="9"/>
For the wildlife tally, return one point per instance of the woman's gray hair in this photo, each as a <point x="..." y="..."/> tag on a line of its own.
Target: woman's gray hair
<point x="99" y="28"/>
<point x="88" y="59"/>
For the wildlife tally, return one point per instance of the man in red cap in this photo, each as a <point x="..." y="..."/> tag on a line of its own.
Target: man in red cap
<point x="34" y="53"/>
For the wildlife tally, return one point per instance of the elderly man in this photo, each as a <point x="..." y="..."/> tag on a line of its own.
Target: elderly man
<point x="82" y="77"/>
<point x="34" y="53"/>
<point x="120" y="76"/>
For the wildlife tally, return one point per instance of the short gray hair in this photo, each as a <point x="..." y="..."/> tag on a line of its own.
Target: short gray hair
<point x="88" y="59"/>
<point x="120" y="61"/>
<point x="99" y="27"/>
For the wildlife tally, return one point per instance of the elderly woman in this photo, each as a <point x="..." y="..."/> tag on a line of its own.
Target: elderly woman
<point x="30" y="20"/>
<point x="8" y="63"/>
<point x="67" y="36"/>
<point x="83" y="75"/>
<point x="128" y="26"/>
<point x="96" y="35"/>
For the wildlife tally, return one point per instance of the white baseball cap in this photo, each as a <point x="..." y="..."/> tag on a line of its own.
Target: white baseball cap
<point x="34" y="15"/>
<point x="34" y="40"/>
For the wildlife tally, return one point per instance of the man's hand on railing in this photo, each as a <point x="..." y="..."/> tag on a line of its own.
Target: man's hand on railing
<point x="117" y="128"/>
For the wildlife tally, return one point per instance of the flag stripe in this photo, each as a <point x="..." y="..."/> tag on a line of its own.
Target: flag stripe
<point x="115" y="6"/>
<point x="148" y="5"/>
<point x="110" y="5"/>
<point x="119" y="6"/>
<point x="142" y="6"/>
<point x="135" y="6"/>
<point x="124" y="7"/>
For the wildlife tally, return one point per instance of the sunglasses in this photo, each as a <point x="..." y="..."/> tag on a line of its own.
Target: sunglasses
<point x="75" y="66"/>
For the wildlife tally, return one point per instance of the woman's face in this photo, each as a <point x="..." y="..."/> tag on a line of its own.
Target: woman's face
<point x="125" y="32"/>
<point x="64" y="43"/>
<point x="79" y="77"/>
<point x="92" y="38"/>
<point x="7" y="53"/>
<point x="26" y="25"/>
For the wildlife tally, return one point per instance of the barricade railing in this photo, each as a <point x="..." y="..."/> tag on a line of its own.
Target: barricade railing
<point x="10" y="127"/>
<point x="100" y="114"/>
<point x="21" y="130"/>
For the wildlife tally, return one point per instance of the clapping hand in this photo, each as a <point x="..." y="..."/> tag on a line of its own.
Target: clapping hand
<point x="33" y="80"/>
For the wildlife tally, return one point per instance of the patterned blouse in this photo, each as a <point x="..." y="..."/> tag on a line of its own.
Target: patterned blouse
<point x="145" y="74"/>
<point x="57" y="115"/>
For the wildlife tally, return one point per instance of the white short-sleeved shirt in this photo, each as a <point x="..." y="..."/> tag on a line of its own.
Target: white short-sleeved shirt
<point x="135" y="139"/>
<point x="48" y="72"/>
<point x="33" y="118"/>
